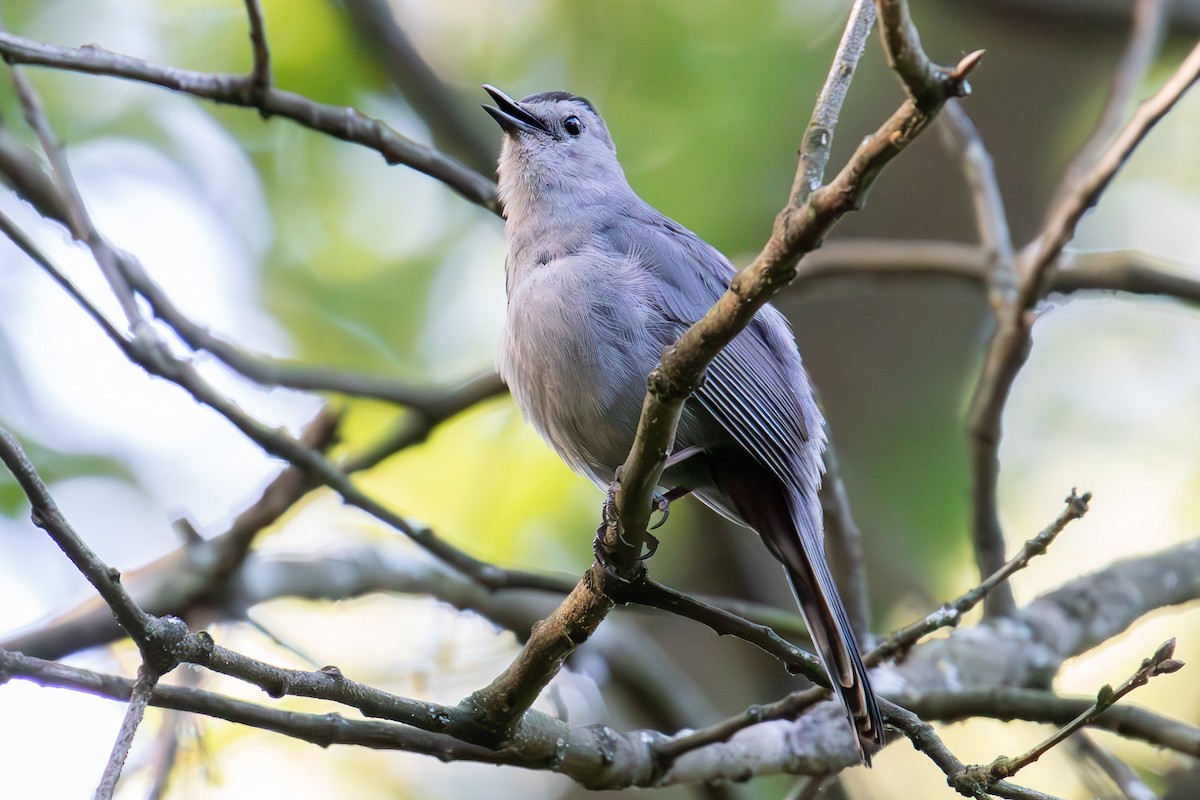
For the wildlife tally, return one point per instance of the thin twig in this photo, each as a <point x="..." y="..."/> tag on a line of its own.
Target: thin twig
<point x="148" y="350"/>
<point x="991" y="221"/>
<point x="322" y="729"/>
<point x="260" y="73"/>
<point x="818" y="136"/>
<point x="1161" y="663"/>
<point x="142" y="628"/>
<point x="77" y="218"/>
<point x="152" y="355"/>
<point x="233" y="546"/>
<point x="139" y="699"/>
<point x="725" y="623"/>
<point x="1132" y="271"/>
<point x="950" y="614"/>
<point x="923" y="80"/>
<point x="268" y="371"/>
<point x="454" y="131"/>
<point x="1062" y="218"/>
<point x="790" y="707"/>
<point x="18" y="163"/>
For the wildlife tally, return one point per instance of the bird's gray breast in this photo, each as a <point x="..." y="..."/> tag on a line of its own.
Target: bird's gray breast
<point x="578" y="342"/>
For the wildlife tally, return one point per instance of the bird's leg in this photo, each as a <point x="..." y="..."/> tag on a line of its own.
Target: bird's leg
<point x="662" y="504"/>
<point x="663" y="500"/>
<point x="608" y="518"/>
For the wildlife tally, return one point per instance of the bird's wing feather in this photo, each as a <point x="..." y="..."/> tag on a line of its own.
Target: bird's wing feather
<point x="755" y="388"/>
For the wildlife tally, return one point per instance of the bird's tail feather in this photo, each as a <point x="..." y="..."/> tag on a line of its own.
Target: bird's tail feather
<point x="834" y="639"/>
<point x="789" y="523"/>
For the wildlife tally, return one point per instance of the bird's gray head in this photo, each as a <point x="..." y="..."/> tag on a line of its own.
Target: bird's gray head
<point x="556" y="148"/>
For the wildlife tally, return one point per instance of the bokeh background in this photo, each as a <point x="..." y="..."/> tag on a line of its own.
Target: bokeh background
<point x="300" y="246"/>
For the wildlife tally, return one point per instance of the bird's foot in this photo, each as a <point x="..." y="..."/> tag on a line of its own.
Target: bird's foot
<point x="600" y="547"/>
<point x="662" y="504"/>
<point x="608" y="520"/>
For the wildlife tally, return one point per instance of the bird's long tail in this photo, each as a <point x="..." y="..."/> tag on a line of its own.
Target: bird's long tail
<point x="789" y="523"/>
<point x="827" y="622"/>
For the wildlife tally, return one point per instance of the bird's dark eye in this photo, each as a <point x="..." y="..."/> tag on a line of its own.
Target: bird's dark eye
<point x="573" y="126"/>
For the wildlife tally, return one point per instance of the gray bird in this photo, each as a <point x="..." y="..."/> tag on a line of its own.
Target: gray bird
<point x="598" y="284"/>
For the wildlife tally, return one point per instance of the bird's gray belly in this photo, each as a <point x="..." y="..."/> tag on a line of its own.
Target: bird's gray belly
<point x="575" y="353"/>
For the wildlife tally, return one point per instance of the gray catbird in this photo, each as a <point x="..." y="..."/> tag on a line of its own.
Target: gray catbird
<point x="598" y="284"/>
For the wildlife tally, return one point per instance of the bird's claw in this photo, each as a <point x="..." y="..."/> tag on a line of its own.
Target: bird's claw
<point x="662" y="504"/>
<point x="651" y="543"/>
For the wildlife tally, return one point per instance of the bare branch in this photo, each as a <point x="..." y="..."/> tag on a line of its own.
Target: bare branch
<point x="341" y="122"/>
<point x="602" y="758"/>
<point x="320" y="729"/>
<point x="926" y="741"/>
<point x="1010" y="343"/>
<point x="152" y="355"/>
<point x="962" y="138"/>
<point x="434" y="404"/>
<point x="1039" y="705"/>
<point x="260" y="73"/>
<point x="818" y="136"/>
<point x="1131" y="271"/>
<point x="1041" y="254"/>
<point x="148" y="350"/>
<point x="77" y="218"/>
<point x="927" y="84"/>
<point x="789" y="707"/>
<point x="430" y="402"/>
<point x="722" y="621"/>
<point x="139" y="698"/>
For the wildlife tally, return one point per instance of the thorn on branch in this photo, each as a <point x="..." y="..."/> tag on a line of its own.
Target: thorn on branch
<point x="963" y="68"/>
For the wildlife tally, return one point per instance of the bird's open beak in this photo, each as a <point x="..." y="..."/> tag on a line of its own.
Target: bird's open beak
<point x="510" y="115"/>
